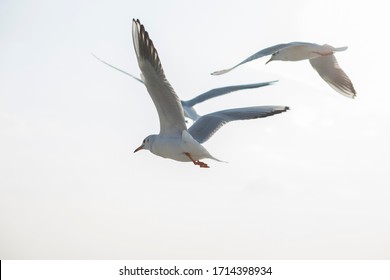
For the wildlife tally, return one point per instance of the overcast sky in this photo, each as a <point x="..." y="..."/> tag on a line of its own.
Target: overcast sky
<point x="312" y="183"/>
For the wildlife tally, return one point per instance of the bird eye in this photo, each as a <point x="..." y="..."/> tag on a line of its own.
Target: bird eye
<point x="143" y="142"/>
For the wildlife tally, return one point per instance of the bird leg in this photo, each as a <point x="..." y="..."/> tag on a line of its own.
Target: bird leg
<point x="197" y="162"/>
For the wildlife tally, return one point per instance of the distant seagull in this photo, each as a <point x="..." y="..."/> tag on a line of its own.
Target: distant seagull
<point x="174" y="140"/>
<point x="320" y="57"/>
<point x="188" y="106"/>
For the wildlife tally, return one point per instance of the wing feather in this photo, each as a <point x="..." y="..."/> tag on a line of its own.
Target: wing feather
<point x="166" y="101"/>
<point x="329" y="70"/>
<point x="223" y="90"/>
<point x="207" y="125"/>
<point x="261" y="53"/>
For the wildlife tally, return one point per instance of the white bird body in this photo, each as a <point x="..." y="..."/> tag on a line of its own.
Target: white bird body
<point x="321" y="58"/>
<point x="297" y="52"/>
<point x="176" y="147"/>
<point x="175" y="141"/>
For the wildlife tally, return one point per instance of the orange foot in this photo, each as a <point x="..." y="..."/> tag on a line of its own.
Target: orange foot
<point x="197" y="162"/>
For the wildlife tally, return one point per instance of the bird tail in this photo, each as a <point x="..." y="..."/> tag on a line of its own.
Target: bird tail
<point x="340" y="49"/>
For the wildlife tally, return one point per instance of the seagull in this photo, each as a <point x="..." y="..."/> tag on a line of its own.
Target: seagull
<point x="188" y="105"/>
<point x="321" y="59"/>
<point x="174" y="140"/>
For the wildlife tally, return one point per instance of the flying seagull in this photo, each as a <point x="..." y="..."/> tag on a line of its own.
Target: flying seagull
<point x="321" y="57"/>
<point x="188" y="105"/>
<point x="175" y="141"/>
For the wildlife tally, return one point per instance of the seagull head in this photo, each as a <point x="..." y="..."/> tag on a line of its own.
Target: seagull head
<point x="146" y="144"/>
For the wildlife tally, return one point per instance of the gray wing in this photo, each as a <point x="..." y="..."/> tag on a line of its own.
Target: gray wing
<point x="329" y="70"/>
<point x="118" y="69"/>
<point x="167" y="103"/>
<point x="263" y="52"/>
<point x="207" y="125"/>
<point x="221" y="91"/>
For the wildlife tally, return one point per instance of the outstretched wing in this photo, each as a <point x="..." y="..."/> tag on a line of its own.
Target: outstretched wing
<point x="329" y="70"/>
<point x="263" y="52"/>
<point x="221" y="91"/>
<point x="167" y="103"/>
<point x="118" y="69"/>
<point x="207" y="125"/>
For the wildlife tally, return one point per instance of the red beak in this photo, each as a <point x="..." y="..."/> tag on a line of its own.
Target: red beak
<point x="139" y="148"/>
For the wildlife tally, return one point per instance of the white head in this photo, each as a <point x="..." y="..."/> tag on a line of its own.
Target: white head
<point x="147" y="143"/>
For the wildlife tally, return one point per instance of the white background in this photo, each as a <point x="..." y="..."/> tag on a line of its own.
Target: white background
<point x="110" y="269"/>
<point x="312" y="183"/>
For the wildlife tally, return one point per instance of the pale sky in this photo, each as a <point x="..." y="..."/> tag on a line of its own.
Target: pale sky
<point x="312" y="183"/>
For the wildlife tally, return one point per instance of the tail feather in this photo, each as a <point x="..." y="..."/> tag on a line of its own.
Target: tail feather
<point x="340" y="49"/>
